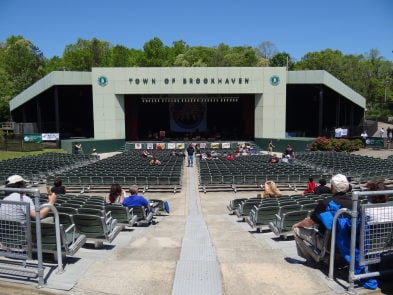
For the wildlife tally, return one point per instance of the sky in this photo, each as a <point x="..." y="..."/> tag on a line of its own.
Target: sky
<point x="293" y="26"/>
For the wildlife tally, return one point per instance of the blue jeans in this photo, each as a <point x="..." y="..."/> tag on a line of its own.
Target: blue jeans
<point x="190" y="160"/>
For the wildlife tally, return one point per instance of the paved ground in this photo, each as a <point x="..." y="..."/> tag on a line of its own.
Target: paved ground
<point x="143" y="260"/>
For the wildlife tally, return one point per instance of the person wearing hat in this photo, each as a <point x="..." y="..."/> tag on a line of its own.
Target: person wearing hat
<point x="17" y="212"/>
<point x="304" y="230"/>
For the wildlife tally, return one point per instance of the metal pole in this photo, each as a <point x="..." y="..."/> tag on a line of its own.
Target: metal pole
<point x="40" y="267"/>
<point x="354" y="216"/>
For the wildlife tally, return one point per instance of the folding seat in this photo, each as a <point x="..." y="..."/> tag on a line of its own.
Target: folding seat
<point x="109" y="180"/>
<point x="96" y="180"/>
<point x="152" y="180"/>
<point x="141" y="180"/>
<point x="249" y="179"/>
<point x="262" y="215"/>
<point x="282" y="224"/>
<point x="123" y="215"/>
<point x="227" y="179"/>
<point x="73" y="180"/>
<point x="129" y="180"/>
<point x="85" y="180"/>
<point x="119" y="179"/>
<point x="238" y="179"/>
<point x="96" y="228"/>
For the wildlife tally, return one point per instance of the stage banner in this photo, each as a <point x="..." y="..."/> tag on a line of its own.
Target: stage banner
<point x="180" y="146"/>
<point x="160" y="146"/>
<point x="50" y="136"/>
<point x="32" y="138"/>
<point x="187" y="117"/>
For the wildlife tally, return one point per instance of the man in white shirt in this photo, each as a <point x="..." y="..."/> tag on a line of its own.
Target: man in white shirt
<point x="10" y="212"/>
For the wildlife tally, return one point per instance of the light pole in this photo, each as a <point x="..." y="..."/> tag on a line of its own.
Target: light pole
<point x="387" y="82"/>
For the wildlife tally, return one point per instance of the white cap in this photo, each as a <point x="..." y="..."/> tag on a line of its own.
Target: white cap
<point x="340" y="183"/>
<point x="14" y="179"/>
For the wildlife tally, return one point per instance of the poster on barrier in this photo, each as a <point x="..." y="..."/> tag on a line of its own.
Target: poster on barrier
<point x="226" y="145"/>
<point x="50" y="136"/>
<point x="138" y="146"/>
<point x="171" y="146"/>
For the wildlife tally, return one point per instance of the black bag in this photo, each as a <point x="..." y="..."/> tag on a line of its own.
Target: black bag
<point x="387" y="256"/>
<point x="386" y="260"/>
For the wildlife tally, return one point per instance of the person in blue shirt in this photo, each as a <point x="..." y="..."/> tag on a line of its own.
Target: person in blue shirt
<point x="136" y="200"/>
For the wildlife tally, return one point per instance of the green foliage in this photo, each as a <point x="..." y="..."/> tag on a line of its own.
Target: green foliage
<point x="282" y="59"/>
<point x="22" y="64"/>
<point x="335" y="144"/>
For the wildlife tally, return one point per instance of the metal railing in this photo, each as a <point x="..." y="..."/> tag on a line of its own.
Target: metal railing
<point x="373" y="242"/>
<point x="19" y="236"/>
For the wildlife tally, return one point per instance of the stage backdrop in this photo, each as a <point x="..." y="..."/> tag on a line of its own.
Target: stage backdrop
<point x="186" y="117"/>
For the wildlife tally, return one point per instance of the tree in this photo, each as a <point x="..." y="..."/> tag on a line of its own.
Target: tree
<point x="155" y="54"/>
<point x="120" y="56"/>
<point x="21" y="64"/>
<point x="22" y="61"/>
<point x="85" y="54"/>
<point x="266" y="50"/>
<point x="282" y="59"/>
<point x="178" y="49"/>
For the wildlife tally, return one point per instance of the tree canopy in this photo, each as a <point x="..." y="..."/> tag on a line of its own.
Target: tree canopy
<point x="22" y="64"/>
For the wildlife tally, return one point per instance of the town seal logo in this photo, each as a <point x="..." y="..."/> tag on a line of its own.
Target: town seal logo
<point x="274" y="80"/>
<point x="102" y="81"/>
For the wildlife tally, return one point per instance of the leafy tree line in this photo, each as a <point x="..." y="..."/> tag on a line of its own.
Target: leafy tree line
<point x="22" y="64"/>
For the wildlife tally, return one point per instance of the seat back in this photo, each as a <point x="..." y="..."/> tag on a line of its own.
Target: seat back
<point x="93" y="226"/>
<point x="119" y="212"/>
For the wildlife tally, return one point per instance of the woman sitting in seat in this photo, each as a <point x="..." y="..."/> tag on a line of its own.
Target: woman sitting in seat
<point x="116" y="195"/>
<point x="271" y="190"/>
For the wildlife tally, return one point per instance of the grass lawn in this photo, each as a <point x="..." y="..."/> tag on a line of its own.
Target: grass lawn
<point x="11" y="155"/>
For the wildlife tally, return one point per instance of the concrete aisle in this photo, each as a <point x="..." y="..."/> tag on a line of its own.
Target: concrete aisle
<point x="197" y="270"/>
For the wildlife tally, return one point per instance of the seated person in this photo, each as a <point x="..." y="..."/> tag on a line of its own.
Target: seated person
<point x="304" y="230"/>
<point x="116" y="195"/>
<point x="284" y="159"/>
<point x="230" y="157"/>
<point x="322" y="188"/>
<point x="58" y="187"/>
<point x="289" y="151"/>
<point x="274" y="159"/>
<point x="155" y="161"/>
<point x="146" y="154"/>
<point x="10" y="212"/>
<point x="310" y="186"/>
<point x="136" y="200"/>
<point x="271" y="190"/>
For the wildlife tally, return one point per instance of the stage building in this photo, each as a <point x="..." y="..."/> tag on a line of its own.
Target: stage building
<point x="110" y="106"/>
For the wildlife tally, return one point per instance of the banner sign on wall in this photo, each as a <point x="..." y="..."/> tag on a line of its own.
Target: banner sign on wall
<point x="32" y="138"/>
<point x="50" y="136"/>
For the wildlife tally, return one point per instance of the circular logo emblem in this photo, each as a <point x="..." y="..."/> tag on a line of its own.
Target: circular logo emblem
<point x="102" y="81"/>
<point x="274" y="80"/>
<point x="188" y="115"/>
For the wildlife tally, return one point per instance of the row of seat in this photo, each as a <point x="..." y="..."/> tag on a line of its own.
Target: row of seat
<point x="278" y="214"/>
